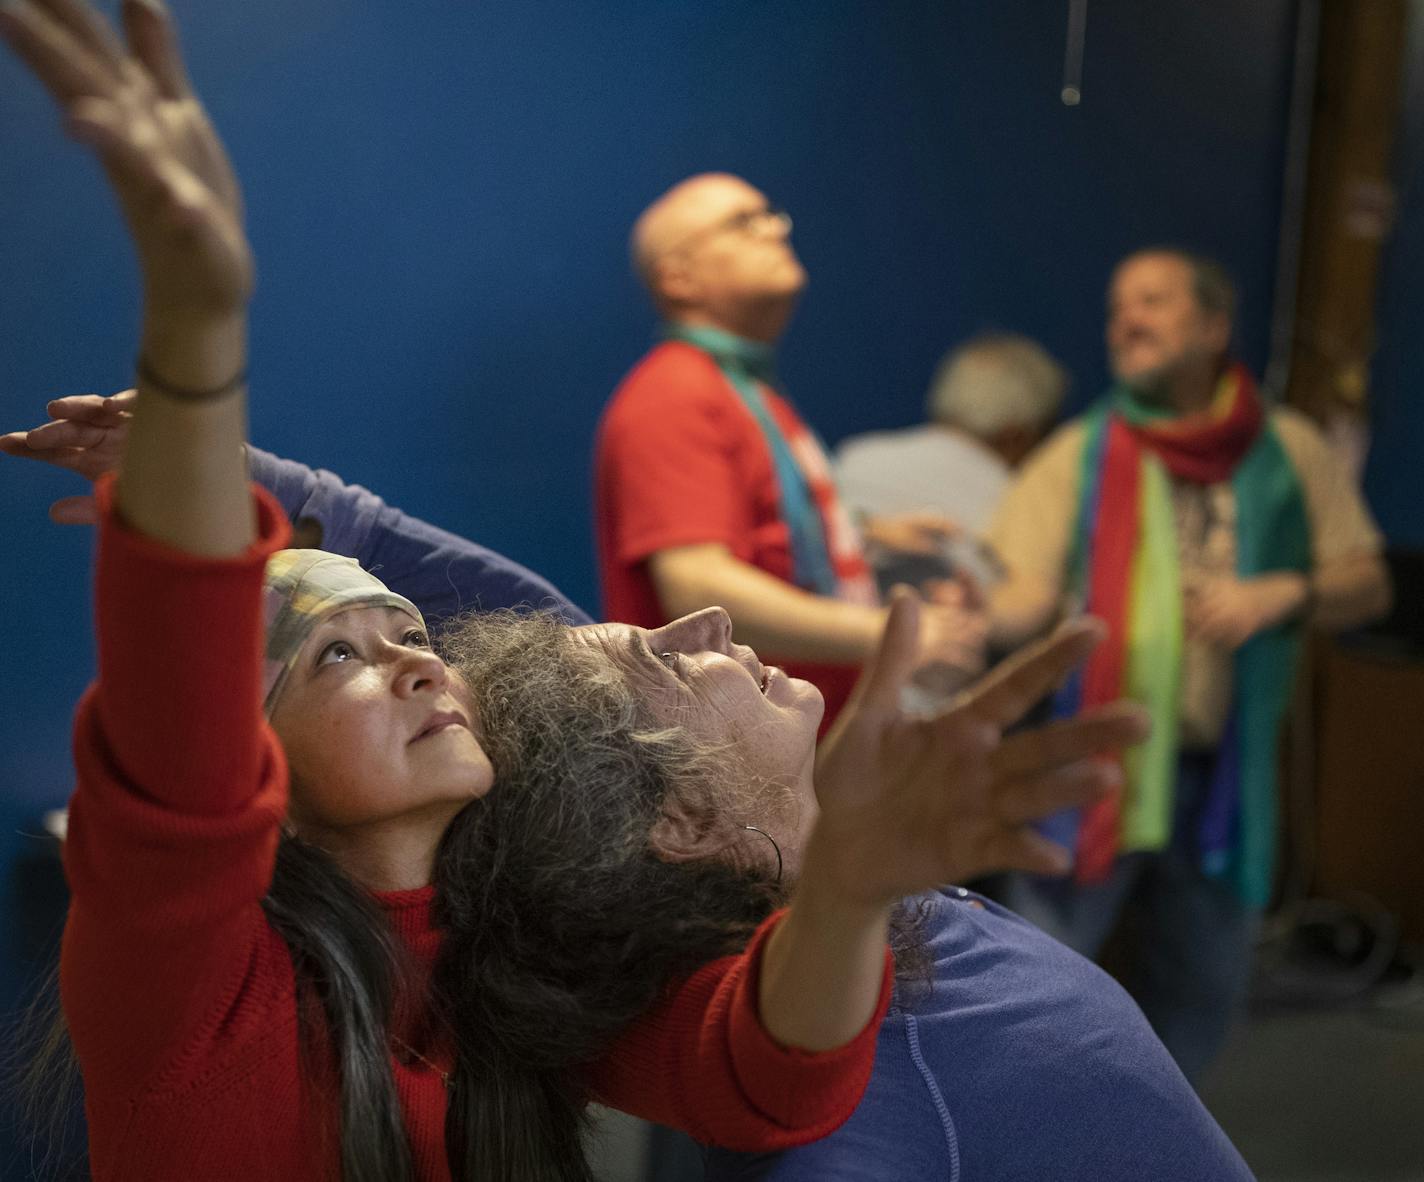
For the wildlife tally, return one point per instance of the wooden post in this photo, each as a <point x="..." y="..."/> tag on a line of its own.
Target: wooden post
<point x="1349" y="208"/>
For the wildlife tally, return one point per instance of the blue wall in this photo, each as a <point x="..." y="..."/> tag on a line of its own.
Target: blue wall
<point x="439" y="195"/>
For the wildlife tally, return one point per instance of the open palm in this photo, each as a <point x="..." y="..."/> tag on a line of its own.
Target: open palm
<point x="913" y="802"/>
<point x="132" y="103"/>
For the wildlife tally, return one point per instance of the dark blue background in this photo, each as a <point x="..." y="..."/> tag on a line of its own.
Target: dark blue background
<point x="439" y="196"/>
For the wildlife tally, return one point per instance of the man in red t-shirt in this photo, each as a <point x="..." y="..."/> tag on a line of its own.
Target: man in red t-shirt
<point x="710" y="489"/>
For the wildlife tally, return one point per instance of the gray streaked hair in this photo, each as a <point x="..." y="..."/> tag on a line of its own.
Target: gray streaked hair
<point x="996" y="382"/>
<point x="564" y="925"/>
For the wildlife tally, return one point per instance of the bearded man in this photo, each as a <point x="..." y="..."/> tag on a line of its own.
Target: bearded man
<point x="1208" y="531"/>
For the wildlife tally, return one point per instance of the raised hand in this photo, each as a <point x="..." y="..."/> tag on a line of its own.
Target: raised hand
<point x="133" y="105"/>
<point x="911" y="803"/>
<point x="182" y="480"/>
<point x="85" y="434"/>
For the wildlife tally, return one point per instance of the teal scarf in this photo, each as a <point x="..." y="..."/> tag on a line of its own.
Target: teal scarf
<point x="746" y="364"/>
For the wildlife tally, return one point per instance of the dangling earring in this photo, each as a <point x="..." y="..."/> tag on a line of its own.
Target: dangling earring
<point x="774" y="846"/>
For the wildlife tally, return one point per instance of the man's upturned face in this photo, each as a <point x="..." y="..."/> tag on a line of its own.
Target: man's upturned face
<point x="1156" y="327"/>
<point x="734" y="246"/>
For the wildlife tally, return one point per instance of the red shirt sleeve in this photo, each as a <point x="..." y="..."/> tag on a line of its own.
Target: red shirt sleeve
<point x="181" y="788"/>
<point x="701" y="1061"/>
<point x="669" y="457"/>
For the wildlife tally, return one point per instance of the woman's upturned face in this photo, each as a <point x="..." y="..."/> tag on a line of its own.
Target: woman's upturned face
<point x="690" y="674"/>
<point x="376" y="727"/>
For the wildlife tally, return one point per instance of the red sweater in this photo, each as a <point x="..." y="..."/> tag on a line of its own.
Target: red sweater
<point x="680" y="461"/>
<point x="180" y="996"/>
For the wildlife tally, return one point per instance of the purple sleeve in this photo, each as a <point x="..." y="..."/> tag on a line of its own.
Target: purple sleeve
<point x="441" y="573"/>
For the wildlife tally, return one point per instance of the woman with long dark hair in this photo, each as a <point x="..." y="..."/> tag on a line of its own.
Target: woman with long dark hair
<point x="275" y="963"/>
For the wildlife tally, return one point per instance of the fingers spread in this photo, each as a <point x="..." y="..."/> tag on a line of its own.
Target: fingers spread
<point x="1034" y="797"/>
<point x="1012" y="688"/>
<point x="66" y="68"/>
<point x="155" y="44"/>
<point x="1104" y="729"/>
<point x="89" y="29"/>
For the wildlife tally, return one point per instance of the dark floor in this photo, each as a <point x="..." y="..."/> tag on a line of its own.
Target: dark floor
<point x="1326" y="1095"/>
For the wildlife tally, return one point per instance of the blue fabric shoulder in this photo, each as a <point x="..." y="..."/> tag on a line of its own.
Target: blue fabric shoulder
<point x="1017" y="1060"/>
<point x="441" y="573"/>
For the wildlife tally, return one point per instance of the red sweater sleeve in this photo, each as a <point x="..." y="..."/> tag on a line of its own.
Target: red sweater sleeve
<point x="174" y="822"/>
<point x="701" y="1061"/>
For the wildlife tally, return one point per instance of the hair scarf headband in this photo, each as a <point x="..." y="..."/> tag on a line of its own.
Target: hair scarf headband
<point x="302" y="588"/>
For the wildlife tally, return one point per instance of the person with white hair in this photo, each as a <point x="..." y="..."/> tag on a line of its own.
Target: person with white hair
<point x="992" y="399"/>
<point x="1211" y="530"/>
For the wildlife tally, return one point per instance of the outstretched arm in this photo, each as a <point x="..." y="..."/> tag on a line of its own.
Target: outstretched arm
<point x="182" y="481"/>
<point x="442" y="573"/>
<point x="776" y="1044"/>
<point x="911" y="803"/>
<point x="172" y="826"/>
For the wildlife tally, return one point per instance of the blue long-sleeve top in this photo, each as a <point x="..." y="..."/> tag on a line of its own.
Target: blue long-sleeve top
<point x="441" y="573"/>
<point x="1015" y="1060"/>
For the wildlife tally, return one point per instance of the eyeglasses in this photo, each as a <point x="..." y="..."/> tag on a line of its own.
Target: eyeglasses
<point x="746" y="221"/>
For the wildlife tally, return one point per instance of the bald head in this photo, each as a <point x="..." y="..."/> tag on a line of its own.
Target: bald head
<point x="683" y="211"/>
<point x="711" y="250"/>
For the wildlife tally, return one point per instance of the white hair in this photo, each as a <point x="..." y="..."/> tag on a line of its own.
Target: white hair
<point x="997" y="382"/>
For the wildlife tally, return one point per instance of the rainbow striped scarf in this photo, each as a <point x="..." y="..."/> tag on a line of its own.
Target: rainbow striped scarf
<point x="1124" y="569"/>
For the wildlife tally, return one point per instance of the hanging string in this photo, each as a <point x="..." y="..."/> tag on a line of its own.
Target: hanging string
<point x="1072" y="92"/>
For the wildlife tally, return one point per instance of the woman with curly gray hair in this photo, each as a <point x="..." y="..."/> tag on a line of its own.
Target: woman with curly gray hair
<point x="657" y="804"/>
